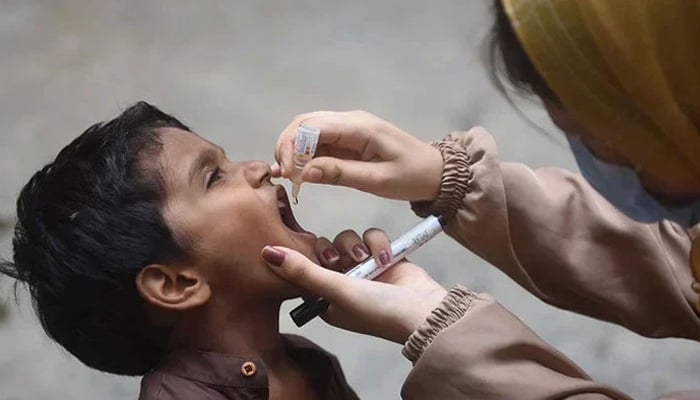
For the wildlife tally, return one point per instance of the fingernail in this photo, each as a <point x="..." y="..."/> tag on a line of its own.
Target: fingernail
<point x="384" y="257"/>
<point x="360" y="251"/>
<point x="313" y="175"/>
<point x="273" y="256"/>
<point x="330" y="255"/>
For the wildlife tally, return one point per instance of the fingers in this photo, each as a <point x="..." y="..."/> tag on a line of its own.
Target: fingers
<point x="388" y="310"/>
<point x="349" y="243"/>
<point x="327" y="254"/>
<point x="284" y="148"/>
<point x="349" y="129"/>
<point x="275" y="170"/>
<point x="299" y="270"/>
<point x="365" y="176"/>
<point x="352" y="132"/>
<point x="403" y="273"/>
<point x="379" y="245"/>
<point x="354" y="249"/>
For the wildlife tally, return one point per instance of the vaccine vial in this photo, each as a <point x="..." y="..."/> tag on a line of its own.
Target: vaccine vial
<point x="304" y="150"/>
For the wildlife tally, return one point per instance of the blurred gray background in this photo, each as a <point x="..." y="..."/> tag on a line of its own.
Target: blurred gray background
<point x="237" y="72"/>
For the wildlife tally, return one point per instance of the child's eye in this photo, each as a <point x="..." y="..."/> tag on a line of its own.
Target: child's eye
<point x="215" y="176"/>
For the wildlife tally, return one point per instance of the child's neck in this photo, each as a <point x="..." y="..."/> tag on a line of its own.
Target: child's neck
<point x="251" y="331"/>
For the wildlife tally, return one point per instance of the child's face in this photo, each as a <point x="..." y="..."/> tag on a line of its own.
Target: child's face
<point x="226" y="212"/>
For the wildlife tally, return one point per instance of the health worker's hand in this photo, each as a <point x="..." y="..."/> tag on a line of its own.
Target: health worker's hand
<point x="359" y="150"/>
<point x="390" y="307"/>
<point x="349" y="249"/>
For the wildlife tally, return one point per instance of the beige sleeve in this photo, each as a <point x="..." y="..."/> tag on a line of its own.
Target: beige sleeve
<point x="557" y="237"/>
<point x="472" y="348"/>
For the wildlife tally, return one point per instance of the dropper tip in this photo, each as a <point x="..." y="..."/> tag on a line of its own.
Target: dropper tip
<point x="295" y="192"/>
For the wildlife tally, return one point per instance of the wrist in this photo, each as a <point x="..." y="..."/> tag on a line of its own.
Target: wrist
<point x="451" y="309"/>
<point x="454" y="181"/>
<point x="416" y="313"/>
<point x="433" y="174"/>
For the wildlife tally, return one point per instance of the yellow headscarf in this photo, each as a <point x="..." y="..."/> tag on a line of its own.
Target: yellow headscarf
<point x="628" y="71"/>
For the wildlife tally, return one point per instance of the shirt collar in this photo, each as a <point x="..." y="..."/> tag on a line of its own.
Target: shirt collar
<point x="220" y="369"/>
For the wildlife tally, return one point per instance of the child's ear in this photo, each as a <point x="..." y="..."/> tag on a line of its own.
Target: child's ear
<point x="173" y="288"/>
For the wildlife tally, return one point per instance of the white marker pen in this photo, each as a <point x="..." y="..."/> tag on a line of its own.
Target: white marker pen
<point x="400" y="248"/>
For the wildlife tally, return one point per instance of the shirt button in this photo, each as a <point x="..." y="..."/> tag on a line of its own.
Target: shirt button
<point x="248" y="368"/>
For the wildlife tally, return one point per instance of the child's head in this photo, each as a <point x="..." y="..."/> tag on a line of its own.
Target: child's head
<point x="137" y="222"/>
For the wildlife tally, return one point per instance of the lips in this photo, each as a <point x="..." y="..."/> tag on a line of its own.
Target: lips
<point x="286" y="213"/>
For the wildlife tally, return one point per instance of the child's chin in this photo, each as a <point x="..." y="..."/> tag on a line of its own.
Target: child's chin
<point x="281" y="289"/>
<point x="289" y="291"/>
<point x="308" y="251"/>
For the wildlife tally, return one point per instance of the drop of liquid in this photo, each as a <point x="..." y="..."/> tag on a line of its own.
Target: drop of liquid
<point x="295" y="191"/>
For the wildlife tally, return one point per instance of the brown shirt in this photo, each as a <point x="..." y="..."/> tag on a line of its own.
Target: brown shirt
<point x="193" y="374"/>
<point x="551" y="232"/>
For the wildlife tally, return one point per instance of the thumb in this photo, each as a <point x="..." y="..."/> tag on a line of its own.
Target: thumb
<point x="362" y="175"/>
<point x="298" y="269"/>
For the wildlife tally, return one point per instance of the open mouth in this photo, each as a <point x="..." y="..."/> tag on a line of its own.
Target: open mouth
<point x="286" y="211"/>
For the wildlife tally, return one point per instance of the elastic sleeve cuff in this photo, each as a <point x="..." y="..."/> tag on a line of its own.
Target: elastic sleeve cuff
<point x="451" y="309"/>
<point x="456" y="175"/>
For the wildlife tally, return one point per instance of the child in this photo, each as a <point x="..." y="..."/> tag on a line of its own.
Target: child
<point x="140" y="245"/>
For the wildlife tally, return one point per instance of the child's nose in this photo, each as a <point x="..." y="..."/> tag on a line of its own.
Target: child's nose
<point x="257" y="173"/>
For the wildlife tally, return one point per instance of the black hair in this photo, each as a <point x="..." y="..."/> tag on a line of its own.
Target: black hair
<point x="87" y="223"/>
<point x="508" y="59"/>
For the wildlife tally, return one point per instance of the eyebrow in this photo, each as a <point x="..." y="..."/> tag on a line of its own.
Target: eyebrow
<point x="205" y="159"/>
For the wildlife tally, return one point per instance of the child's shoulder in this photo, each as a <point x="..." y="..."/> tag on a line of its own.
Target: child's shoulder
<point x="297" y="343"/>
<point x="158" y="385"/>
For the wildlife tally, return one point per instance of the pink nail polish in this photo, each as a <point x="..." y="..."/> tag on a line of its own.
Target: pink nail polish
<point x="384" y="257"/>
<point x="360" y="251"/>
<point x="330" y="255"/>
<point x="273" y="256"/>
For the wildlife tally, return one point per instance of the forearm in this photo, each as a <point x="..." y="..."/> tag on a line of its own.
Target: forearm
<point x="558" y="238"/>
<point x="472" y="347"/>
